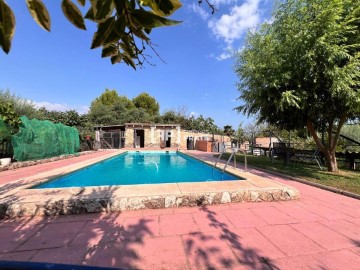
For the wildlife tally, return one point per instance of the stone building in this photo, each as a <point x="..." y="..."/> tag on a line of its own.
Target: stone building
<point x="138" y="135"/>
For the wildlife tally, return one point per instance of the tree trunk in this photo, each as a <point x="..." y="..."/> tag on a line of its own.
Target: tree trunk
<point x="329" y="151"/>
<point x="331" y="161"/>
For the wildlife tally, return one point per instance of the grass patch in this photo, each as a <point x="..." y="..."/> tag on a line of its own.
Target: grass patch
<point x="344" y="180"/>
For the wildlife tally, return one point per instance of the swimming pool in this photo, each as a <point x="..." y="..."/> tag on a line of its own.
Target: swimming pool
<point x="134" y="167"/>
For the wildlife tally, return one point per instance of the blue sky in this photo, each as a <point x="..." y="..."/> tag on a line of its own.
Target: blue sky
<point x="59" y="71"/>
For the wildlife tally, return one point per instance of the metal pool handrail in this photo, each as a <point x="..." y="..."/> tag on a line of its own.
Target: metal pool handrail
<point x="234" y="151"/>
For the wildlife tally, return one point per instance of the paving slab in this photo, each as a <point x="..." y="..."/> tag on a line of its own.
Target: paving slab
<point x="13" y="236"/>
<point x="113" y="254"/>
<point x="212" y="221"/>
<point x="244" y="218"/>
<point x="356" y="250"/>
<point x="209" y="251"/>
<point x="138" y="228"/>
<point x="62" y="255"/>
<point x="346" y="228"/>
<point x="307" y="262"/>
<point x="209" y="186"/>
<point x="161" y="253"/>
<point x="339" y="259"/>
<point x="273" y="216"/>
<point x="322" y="235"/>
<point x="324" y="211"/>
<point x="289" y="241"/>
<point x="23" y="256"/>
<point x="53" y="235"/>
<point x="354" y="220"/>
<point x="177" y="224"/>
<point x="346" y="209"/>
<point x="298" y="213"/>
<point x="245" y="244"/>
<point x="146" y="190"/>
<point x="93" y="232"/>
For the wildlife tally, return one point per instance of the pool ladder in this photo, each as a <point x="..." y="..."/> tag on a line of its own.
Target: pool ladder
<point x="234" y="151"/>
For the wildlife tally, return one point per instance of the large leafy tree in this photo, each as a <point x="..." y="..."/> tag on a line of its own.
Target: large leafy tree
<point x="70" y="117"/>
<point x="123" y="26"/>
<point x="229" y="131"/>
<point x="20" y="105"/>
<point x="112" y="109"/>
<point x="110" y="97"/>
<point x="303" y="69"/>
<point x="148" y="103"/>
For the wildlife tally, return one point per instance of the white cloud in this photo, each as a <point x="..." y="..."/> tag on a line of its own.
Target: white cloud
<point x="83" y="109"/>
<point x="218" y="3"/>
<point x="223" y="56"/>
<point x="234" y="25"/>
<point x="197" y="9"/>
<point x="228" y="52"/>
<point x="195" y="114"/>
<point x="61" y="107"/>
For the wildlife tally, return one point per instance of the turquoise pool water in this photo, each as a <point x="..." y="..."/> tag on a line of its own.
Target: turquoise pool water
<point x="141" y="168"/>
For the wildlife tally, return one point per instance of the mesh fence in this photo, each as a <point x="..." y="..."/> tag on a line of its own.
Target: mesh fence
<point x="38" y="139"/>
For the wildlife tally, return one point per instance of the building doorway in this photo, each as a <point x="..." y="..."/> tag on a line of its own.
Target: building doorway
<point x="167" y="138"/>
<point x="139" y="138"/>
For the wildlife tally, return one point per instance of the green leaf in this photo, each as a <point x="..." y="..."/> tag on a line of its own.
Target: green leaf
<point x="104" y="31"/>
<point x="120" y="6"/>
<point x="73" y="14"/>
<point x="151" y="20"/>
<point x="39" y="12"/>
<point x="162" y="7"/>
<point x="125" y="45"/>
<point x="128" y="60"/>
<point x="119" y="26"/>
<point x="100" y="10"/>
<point x="82" y="2"/>
<point x="113" y="37"/>
<point x="109" y="50"/>
<point x="7" y="26"/>
<point x="90" y="15"/>
<point x="115" y="59"/>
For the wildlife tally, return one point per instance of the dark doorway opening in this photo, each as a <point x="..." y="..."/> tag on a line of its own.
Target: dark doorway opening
<point x="139" y="138"/>
<point x="190" y="143"/>
<point x="168" y="141"/>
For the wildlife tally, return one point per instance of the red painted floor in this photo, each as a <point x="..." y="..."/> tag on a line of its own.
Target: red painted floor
<point x="321" y="230"/>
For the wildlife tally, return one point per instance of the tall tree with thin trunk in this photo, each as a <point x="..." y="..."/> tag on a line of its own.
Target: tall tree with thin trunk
<point x="303" y="69"/>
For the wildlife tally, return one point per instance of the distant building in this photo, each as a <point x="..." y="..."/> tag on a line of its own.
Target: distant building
<point x="157" y="136"/>
<point x="138" y="135"/>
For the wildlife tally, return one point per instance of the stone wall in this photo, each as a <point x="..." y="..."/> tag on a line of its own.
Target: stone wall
<point x="147" y="137"/>
<point x="174" y="137"/>
<point x="78" y="203"/>
<point x="129" y="138"/>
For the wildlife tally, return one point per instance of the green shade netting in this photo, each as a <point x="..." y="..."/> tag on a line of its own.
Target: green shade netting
<point x="4" y="132"/>
<point x="38" y="139"/>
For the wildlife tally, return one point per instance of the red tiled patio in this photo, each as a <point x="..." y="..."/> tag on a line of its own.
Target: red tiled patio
<point x="321" y="230"/>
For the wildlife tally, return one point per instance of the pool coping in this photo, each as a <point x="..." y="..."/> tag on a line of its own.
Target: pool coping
<point x="17" y="200"/>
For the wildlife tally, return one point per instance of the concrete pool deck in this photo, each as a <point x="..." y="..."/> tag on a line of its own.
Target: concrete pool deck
<point x="16" y="199"/>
